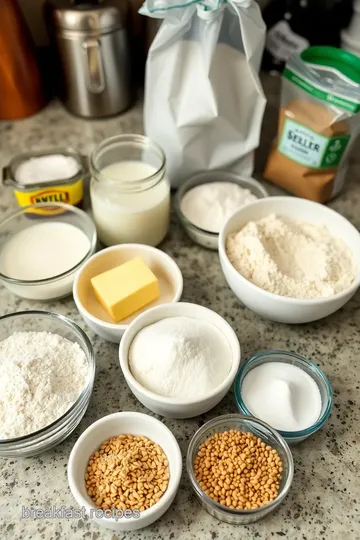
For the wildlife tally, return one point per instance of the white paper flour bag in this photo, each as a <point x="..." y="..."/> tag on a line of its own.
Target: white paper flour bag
<point x="204" y="102"/>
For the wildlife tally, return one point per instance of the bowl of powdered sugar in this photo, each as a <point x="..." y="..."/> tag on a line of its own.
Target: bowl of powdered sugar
<point x="179" y="360"/>
<point x="290" y="260"/>
<point x="205" y="201"/>
<point x="47" y="374"/>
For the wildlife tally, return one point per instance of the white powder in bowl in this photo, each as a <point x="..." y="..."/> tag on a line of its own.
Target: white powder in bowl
<point x="282" y="395"/>
<point x="43" y="250"/>
<point x="42" y="375"/>
<point x="180" y="357"/>
<point x="46" y="169"/>
<point x="292" y="258"/>
<point x="208" y="206"/>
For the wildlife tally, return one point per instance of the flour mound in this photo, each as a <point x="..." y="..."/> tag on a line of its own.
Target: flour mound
<point x="292" y="258"/>
<point x="42" y="375"/>
<point x="180" y="357"/>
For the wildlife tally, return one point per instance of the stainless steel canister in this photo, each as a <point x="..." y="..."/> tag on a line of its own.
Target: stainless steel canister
<point x="92" y="43"/>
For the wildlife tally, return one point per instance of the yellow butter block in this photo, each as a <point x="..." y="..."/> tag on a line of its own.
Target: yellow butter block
<point x="126" y="288"/>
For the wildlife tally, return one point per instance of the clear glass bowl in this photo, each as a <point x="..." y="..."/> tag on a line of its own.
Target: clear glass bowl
<point x="292" y="437"/>
<point x="55" y="433"/>
<point x="55" y="287"/>
<point x="259" y="429"/>
<point x="200" y="236"/>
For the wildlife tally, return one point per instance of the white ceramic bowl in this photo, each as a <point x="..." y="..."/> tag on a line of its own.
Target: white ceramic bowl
<point x="171" y="407"/>
<point x="281" y="308"/>
<point x="110" y="426"/>
<point x="94" y="315"/>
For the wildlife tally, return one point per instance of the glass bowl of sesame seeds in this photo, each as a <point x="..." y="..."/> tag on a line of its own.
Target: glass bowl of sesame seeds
<point x="240" y="468"/>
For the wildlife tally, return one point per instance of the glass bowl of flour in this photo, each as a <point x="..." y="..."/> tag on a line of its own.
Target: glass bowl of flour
<point x="47" y="375"/>
<point x="205" y="202"/>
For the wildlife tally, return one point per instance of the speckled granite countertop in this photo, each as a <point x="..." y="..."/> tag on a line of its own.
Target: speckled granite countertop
<point x="324" y="501"/>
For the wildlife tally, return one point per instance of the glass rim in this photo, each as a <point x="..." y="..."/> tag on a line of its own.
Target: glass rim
<point x="314" y="368"/>
<point x="136" y="139"/>
<point x="90" y="357"/>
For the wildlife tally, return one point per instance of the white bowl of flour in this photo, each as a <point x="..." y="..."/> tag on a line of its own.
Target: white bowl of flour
<point x="301" y="259"/>
<point x="179" y="360"/>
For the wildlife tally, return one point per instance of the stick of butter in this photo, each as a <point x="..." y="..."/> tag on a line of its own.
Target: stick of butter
<point x="126" y="288"/>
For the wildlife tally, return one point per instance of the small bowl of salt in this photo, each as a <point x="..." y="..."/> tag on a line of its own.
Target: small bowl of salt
<point x="205" y="202"/>
<point x="285" y="390"/>
<point x="47" y="176"/>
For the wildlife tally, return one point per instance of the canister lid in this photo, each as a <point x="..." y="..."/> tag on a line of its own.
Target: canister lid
<point x="87" y="15"/>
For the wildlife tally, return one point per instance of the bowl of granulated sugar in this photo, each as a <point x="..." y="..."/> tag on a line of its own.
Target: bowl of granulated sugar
<point x="285" y="390"/>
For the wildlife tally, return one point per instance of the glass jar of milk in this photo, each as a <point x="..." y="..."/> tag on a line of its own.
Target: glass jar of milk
<point x="130" y="193"/>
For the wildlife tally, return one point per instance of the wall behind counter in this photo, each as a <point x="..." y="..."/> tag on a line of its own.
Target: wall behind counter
<point x="32" y="10"/>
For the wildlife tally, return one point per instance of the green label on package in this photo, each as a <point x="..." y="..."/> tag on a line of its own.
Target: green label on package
<point x="305" y="146"/>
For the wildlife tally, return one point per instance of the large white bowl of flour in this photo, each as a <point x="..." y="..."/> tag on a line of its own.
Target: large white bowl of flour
<point x="179" y="360"/>
<point x="290" y="308"/>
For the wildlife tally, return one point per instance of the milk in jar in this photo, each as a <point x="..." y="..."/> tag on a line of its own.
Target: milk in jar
<point x="130" y="197"/>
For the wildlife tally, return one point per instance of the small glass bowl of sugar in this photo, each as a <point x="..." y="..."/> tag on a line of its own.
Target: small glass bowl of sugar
<point x="285" y="390"/>
<point x="205" y="201"/>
